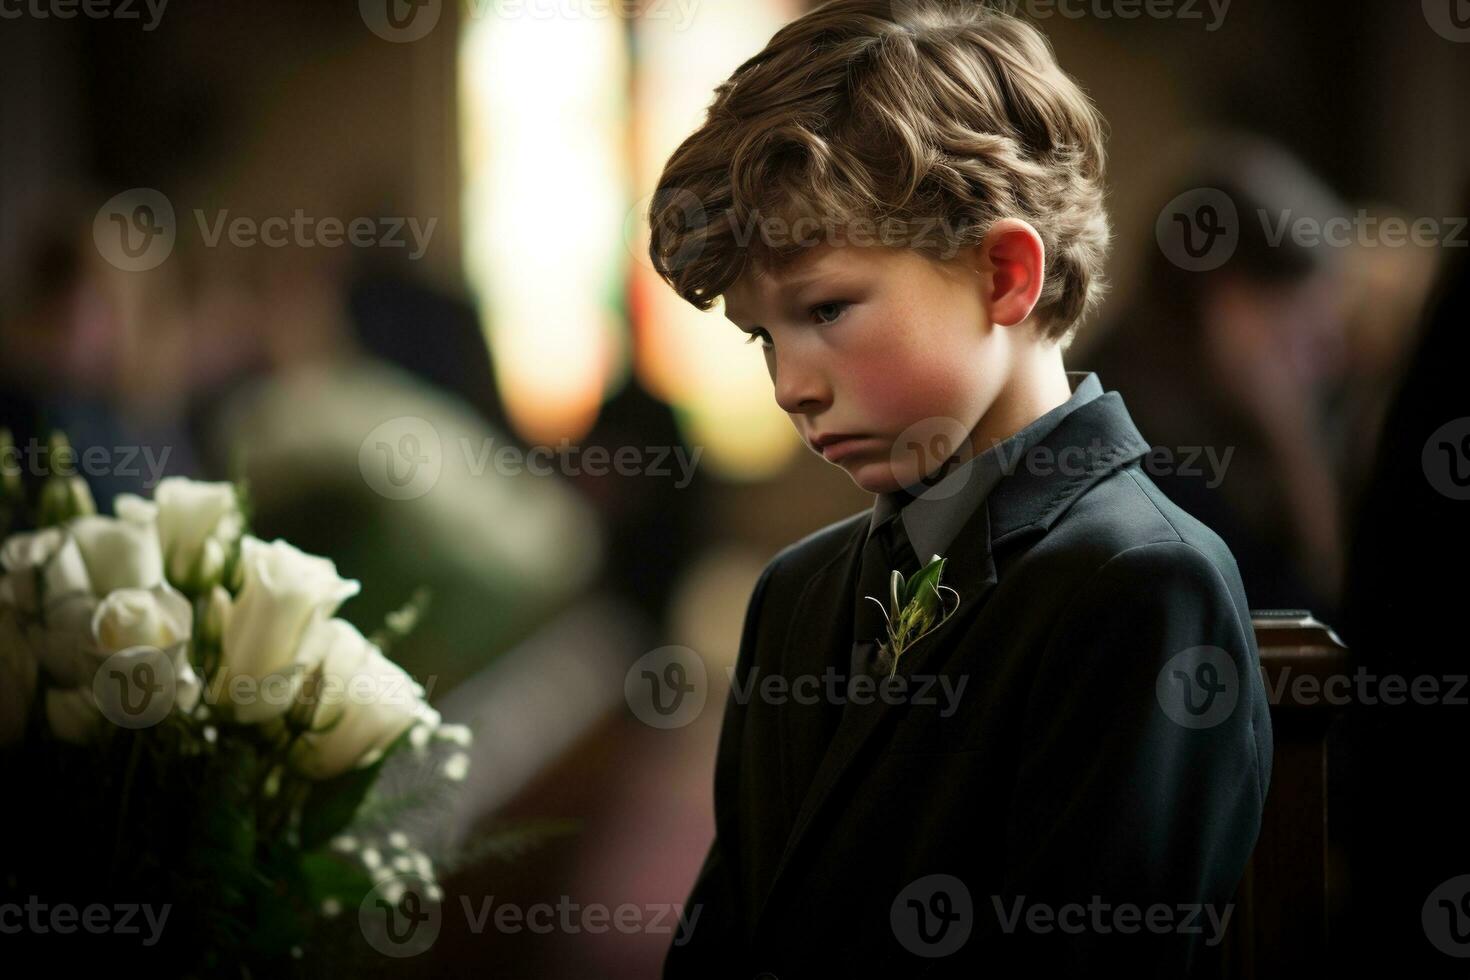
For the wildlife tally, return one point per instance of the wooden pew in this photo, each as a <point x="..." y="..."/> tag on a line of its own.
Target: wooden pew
<point x="1283" y="904"/>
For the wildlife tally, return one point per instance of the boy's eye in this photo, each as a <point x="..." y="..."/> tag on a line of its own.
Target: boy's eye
<point x="835" y="304"/>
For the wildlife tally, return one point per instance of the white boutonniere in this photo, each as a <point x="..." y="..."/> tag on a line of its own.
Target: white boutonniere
<point x="917" y="608"/>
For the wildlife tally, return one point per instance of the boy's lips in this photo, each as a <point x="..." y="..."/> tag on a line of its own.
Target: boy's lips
<point x="833" y="445"/>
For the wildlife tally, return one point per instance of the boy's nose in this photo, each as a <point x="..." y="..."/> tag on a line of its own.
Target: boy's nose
<point x="798" y="389"/>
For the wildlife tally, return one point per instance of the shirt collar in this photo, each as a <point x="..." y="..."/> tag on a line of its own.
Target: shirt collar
<point x="933" y="514"/>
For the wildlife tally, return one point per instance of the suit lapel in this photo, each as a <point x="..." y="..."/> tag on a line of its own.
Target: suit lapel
<point x="1024" y="503"/>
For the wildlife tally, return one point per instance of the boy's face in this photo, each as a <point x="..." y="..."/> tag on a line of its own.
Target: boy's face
<point x="881" y="343"/>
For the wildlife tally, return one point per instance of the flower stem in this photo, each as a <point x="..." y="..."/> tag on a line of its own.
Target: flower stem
<point x="122" y="812"/>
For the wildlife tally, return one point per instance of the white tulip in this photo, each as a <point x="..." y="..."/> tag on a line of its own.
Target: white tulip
<point x="198" y="525"/>
<point x="365" y="701"/>
<point x="285" y="591"/>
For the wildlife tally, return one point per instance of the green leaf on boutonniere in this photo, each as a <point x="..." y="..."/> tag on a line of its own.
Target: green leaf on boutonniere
<point x="924" y="586"/>
<point x="917" y="609"/>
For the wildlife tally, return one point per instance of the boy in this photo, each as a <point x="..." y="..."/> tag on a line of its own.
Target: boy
<point x="1066" y="767"/>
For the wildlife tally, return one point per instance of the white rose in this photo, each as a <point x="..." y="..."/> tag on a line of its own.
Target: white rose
<point x="46" y="568"/>
<point x="198" y="525"/>
<point x="17" y="678"/>
<point x="120" y="552"/>
<point x="158" y="617"/>
<point x="63" y="642"/>
<point x="58" y="559"/>
<point x="285" y="591"/>
<point x="365" y="702"/>
<point x="136" y="621"/>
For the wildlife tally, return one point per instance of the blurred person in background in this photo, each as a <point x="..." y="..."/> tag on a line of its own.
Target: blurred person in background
<point x="1387" y="287"/>
<point x="81" y="353"/>
<point x="1227" y="366"/>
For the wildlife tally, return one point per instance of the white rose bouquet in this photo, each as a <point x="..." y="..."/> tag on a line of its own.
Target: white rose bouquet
<point x="187" y="721"/>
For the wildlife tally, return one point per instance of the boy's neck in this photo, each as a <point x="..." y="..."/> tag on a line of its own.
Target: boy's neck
<point x="1038" y="384"/>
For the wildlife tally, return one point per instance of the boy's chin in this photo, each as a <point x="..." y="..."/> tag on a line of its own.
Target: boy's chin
<point x="874" y="477"/>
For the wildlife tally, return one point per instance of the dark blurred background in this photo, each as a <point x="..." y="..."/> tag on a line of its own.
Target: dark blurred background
<point x="525" y="315"/>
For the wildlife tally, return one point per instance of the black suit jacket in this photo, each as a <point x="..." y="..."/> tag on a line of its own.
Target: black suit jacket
<point x="1110" y="747"/>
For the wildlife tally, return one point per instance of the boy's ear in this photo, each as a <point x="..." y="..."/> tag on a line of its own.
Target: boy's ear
<point x="1012" y="264"/>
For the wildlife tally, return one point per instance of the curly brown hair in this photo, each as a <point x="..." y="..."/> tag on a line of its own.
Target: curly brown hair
<point x="921" y="121"/>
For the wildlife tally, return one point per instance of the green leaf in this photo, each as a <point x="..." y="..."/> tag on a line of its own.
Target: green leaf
<point x="329" y="875"/>
<point x="924" y="588"/>
<point x="332" y="803"/>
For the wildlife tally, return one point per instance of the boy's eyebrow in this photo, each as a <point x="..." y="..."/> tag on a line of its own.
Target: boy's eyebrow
<point x="785" y="287"/>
